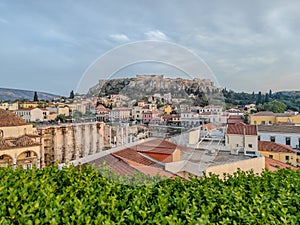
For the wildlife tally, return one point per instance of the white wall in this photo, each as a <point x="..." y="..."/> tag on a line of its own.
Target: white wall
<point x="280" y="138"/>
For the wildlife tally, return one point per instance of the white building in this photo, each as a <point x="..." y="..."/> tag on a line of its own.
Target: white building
<point x="33" y="115"/>
<point x="242" y="136"/>
<point x="190" y="119"/>
<point x="286" y="135"/>
<point x="120" y="114"/>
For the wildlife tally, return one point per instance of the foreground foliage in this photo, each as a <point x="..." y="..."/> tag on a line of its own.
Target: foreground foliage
<point x="83" y="196"/>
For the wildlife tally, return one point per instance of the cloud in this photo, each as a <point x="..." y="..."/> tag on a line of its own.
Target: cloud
<point x="156" y="35"/>
<point x="2" y="20"/>
<point x="119" y="37"/>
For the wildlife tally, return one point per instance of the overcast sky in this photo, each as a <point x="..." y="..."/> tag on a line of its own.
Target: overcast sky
<point x="249" y="45"/>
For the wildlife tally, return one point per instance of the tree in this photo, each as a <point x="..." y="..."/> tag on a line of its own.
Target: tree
<point x="259" y="99"/>
<point x="35" y="97"/>
<point x="267" y="98"/>
<point x="275" y="106"/>
<point x="72" y="94"/>
<point x="270" y="93"/>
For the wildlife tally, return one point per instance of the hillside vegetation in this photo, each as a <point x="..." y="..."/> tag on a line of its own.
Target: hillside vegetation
<point x="83" y="196"/>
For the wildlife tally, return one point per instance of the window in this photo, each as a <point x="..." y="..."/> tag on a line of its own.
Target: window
<point x="28" y="154"/>
<point x="250" y="145"/>
<point x="258" y="138"/>
<point x="287" y="158"/>
<point x="263" y="122"/>
<point x="272" y="138"/>
<point x="271" y="156"/>
<point x="255" y="122"/>
<point x="1" y="156"/>
<point x="270" y="122"/>
<point x="288" y="141"/>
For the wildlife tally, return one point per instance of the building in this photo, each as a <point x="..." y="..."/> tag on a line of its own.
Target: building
<point x="242" y="136"/>
<point x="281" y="134"/>
<point x="278" y="152"/>
<point x="263" y="118"/>
<point x="28" y="105"/>
<point x="190" y="119"/>
<point x="234" y="119"/>
<point x="33" y="114"/>
<point x="274" y="165"/>
<point x="269" y="118"/>
<point x="214" y="117"/>
<point x="145" y="157"/>
<point x="59" y="110"/>
<point x="20" y="145"/>
<point x="120" y="114"/>
<point x="160" y="150"/>
<point x="206" y="162"/>
<point x="9" y="105"/>
<point x="213" y="108"/>
<point x="137" y="112"/>
<point x="151" y="117"/>
<point x="102" y="113"/>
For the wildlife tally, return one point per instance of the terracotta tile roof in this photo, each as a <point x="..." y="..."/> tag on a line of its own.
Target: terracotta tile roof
<point x="264" y="113"/>
<point x="123" y="166"/>
<point x="8" y="118"/>
<point x="274" y="165"/>
<point x="159" y="146"/>
<point x="116" y="164"/>
<point x="209" y="126"/>
<point x="132" y="157"/>
<point x="279" y="129"/>
<point x="234" y="119"/>
<point x="242" y="128"/>
<point x="269" y="146"/>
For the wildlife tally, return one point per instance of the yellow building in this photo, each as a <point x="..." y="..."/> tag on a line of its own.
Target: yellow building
<point x="19" y="142"/>
<point x="262" y="118"/>
<point x="27" y="105"/>
<point x="278" y="152"/>
<point x="168" y="109"/>
<point x="269" y="118"/>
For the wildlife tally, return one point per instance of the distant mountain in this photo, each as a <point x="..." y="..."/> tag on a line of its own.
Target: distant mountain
<point x="13" y="94"/>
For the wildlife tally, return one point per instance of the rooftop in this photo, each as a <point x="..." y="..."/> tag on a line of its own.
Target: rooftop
<point x="274" y="165"/>
<point x="264" y="113"/>
<point x="270" y="146"/>
<point x="8" y="118"/>
<point x="241" y="128"/>
<point x="279" y="129"/>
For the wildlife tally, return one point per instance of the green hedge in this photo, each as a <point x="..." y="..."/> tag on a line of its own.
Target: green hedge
<point x="84" y="196"/>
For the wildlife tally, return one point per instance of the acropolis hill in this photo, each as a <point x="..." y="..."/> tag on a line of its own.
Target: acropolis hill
<point x="151" y="84"/>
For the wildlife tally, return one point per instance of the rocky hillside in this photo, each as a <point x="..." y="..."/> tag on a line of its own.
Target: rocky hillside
<point x="13" y="94"/>
<point x="145" y="85"/>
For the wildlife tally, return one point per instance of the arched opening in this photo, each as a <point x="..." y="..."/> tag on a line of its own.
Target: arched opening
<point x="27" y="159"/>
<point x="5" y="160"/>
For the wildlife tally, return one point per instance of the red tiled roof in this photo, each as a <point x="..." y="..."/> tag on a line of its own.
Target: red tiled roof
<point x="131" y="156"/>
<point x="264" y="113"/>
<point x="159" y="146"/>
<point x="115" y="164"/>
<point x="234" y="119"/>
<point x="269" y="146"/>
<point x="242" y="128"/>
<point x="274" y="165"/>
<point x="8" y="118"/>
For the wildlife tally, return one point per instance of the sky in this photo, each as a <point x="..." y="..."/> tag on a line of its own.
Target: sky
<point x="248" y="45"/>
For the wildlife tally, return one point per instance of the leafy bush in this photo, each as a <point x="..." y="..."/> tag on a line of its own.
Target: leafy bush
<point x="84" y="196"/>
